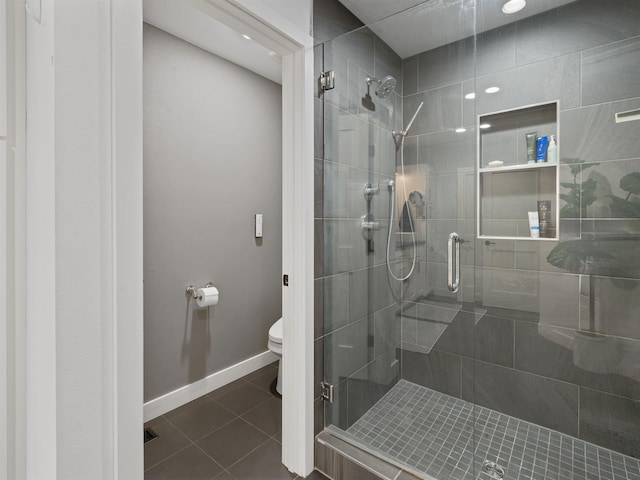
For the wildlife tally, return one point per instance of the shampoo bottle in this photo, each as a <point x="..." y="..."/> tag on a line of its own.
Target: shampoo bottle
<point x="552" y="150"/>
<point x="531" y="146"/>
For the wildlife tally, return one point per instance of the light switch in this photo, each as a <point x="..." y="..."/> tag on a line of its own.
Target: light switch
<point x="258" y="225"/>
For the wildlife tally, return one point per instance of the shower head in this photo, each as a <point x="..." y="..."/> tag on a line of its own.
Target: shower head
<point x="385" y="86"/>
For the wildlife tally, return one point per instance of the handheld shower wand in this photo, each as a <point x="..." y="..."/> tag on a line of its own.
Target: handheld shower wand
<point x="398" y="138"/>
<point x="403" y="133"/>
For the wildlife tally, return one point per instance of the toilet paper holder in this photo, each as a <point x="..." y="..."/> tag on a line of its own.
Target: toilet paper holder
<point x="192" y="292"/>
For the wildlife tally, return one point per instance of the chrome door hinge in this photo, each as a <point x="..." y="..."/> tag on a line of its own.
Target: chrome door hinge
<point x="327" y="392"/>
<point x="327" y="80"/>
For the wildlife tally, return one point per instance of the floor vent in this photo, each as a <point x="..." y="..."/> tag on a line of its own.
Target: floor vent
<point x="149" y="435"/>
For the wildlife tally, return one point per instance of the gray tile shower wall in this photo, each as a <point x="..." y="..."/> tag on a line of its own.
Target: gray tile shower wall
<point x="332" y="19"/>
<point x="557" y="341"/>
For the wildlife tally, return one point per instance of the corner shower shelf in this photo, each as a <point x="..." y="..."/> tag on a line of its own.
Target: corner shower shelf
<point x="506" y="193"/>
<point x="517" y="168"/>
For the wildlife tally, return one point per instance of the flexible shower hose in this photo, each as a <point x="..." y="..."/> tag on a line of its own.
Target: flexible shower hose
<point x="391" y="214"/>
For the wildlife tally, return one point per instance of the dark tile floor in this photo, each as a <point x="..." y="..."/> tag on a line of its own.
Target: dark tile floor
<point x="231" y="433"/>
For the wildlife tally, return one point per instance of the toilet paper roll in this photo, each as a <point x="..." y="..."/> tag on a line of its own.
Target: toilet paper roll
<point x="207" y="296"/>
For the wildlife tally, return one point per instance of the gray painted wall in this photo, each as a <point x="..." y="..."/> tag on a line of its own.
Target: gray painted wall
<point x="212" y="159"/>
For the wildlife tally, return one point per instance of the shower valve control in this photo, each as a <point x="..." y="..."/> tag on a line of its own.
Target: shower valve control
<point x="369" y="225"/>
<point x="370" y="191"/>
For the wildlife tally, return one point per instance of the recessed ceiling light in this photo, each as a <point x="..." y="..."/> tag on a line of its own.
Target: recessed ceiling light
<point x="470" y="96"/>
<point x="513" y="6"/>
<point x="485" y="125"/>
<point x="492" y="89"/>
<point x="246" y="36"/>
<point x="461" y="130"/>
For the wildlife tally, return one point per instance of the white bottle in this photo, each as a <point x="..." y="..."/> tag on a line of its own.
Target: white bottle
<point x="552" y="150"/>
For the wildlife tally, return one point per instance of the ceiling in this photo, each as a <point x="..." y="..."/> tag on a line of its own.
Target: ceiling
<point x="185" y="21"/>
<point x="410" y="27"/>
<point x="407" y="26"/>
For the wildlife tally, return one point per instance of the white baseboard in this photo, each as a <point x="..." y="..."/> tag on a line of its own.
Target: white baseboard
<point x="167" y="402"/>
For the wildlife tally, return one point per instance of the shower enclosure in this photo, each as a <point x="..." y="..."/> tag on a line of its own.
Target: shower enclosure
<point x="456" y="344"/>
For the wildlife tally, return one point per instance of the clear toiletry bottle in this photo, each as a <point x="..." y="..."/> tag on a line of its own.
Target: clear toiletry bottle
<point x="552" y="150"/>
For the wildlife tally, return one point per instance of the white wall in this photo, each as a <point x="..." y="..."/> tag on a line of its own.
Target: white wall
<point x="83" y="239"/>
<point x="73" y="426"/>
<point x="12" y="251"/>
<point x="41" y="411"/>
<point x="4" y="369"/>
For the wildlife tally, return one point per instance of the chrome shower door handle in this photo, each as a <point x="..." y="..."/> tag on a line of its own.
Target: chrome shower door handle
<point x="453" y="265"/>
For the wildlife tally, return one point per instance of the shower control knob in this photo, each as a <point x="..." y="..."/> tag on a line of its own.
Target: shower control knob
<point x="370" y="190"/>
<point x="369" y="225"/>
<point x="375" y="226"/>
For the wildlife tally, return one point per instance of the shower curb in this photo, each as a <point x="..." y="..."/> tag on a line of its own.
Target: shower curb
<point x="339" y="460"/>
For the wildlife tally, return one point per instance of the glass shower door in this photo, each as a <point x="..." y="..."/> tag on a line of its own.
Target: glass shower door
<point x="399" y="180"/>
<point x="361" y="328"/>
<point x="438" y="335"/>
<point x="530" y="368"/>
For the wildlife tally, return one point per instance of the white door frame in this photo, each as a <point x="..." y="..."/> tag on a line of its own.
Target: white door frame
<point x="12" y="251"/>
<point x="295" y="45"/>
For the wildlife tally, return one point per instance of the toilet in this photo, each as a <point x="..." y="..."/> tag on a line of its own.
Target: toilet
<point x="275" y="345"/>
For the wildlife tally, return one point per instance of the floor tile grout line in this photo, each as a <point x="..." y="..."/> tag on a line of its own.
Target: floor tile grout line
<point x="236" y="416"/>
<point x="194" y="442"/>
<point x="168" y="457"/>
<point x="260" y="430"/>
<point x="259" y="405"/>
<point x="248" y="453"/>
<point x="191" y="442"/>
<point x="253" y="450"/>
<point x="213" y="459"/>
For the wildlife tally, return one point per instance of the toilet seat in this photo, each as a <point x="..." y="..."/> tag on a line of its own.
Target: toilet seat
<point x="275" y="332"/>
<point x="275" y="345"/>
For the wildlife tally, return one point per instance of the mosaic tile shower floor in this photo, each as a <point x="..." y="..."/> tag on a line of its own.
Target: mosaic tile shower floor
<point x="431" y="432"/>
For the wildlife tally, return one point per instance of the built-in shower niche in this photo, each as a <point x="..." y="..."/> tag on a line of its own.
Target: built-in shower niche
<point x="509" y="186"/>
